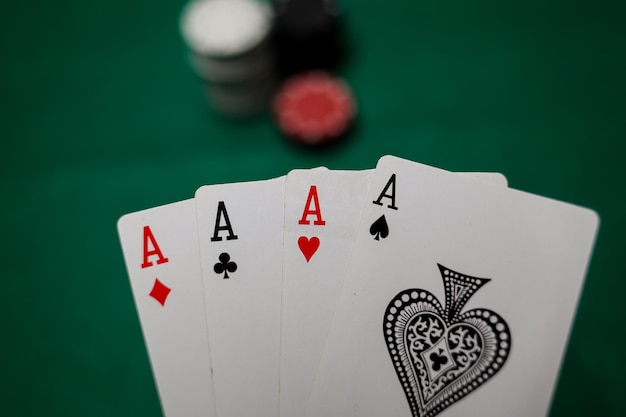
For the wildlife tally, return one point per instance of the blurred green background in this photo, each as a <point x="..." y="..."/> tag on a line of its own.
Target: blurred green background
<point x="100" y="115"/>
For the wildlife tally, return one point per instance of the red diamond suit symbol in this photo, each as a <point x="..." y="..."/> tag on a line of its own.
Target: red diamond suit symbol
<point x="160" y="291"/>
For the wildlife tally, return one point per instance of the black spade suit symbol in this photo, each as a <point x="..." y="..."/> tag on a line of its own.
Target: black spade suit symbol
<point x="379" y="229"/>
<point x="439" y="354"/>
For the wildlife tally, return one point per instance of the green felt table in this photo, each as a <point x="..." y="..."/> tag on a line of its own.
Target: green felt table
<point x="100" y="115"/>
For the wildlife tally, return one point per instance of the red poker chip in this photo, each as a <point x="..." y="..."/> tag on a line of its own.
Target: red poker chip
<point x="314" y="108"/>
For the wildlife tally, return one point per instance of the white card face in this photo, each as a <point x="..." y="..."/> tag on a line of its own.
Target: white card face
<point x="240" y="229"/>
<point x="458" y="299"/>
<point x="322" y="213"/>
<point x="494" y="178"/>
<point x="161" y="252"/>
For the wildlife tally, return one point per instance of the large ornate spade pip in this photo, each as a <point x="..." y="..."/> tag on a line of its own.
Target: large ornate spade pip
<point x="441" y="355"/>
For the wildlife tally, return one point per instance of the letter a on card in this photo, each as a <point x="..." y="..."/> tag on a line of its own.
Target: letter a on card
<point x="309" y="245"/>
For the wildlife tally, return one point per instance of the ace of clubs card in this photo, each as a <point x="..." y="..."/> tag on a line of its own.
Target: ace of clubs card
<point x="458" y="299"/>
<point x="161" y="253"/>
<point x="240" y="234"/>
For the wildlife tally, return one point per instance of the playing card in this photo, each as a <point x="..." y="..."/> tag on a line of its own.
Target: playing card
<point x="240" y="229"/>
<point x="493" y="178"/>
<point x="458" y="299"/>
<point x="161" y="252"/>
<point x="322" y="213"/>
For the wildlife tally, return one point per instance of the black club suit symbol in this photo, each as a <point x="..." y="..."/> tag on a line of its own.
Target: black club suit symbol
<point x="438" y="360"/>
<point x="225" y="265"/>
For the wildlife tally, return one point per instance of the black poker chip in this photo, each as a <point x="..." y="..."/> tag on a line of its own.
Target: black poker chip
<point x="308" y="35"/>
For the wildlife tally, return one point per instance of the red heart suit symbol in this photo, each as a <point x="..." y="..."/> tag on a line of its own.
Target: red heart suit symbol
<point x="307" y="246"/>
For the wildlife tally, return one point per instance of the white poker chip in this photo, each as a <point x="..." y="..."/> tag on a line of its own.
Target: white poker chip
<point x="244" y="101"/>
<point x="252" y="64"/>
<point x="225" y="28"/>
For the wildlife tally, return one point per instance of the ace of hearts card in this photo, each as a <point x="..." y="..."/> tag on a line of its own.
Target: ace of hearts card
<point x="322" y="213"/>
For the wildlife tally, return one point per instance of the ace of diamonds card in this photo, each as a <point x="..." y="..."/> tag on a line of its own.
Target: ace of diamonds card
<point x="161" y="252"/>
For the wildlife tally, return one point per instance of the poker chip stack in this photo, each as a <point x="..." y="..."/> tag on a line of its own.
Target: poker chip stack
<point x="244" y="49"/>
<point x="312" y="106"/>
<point x="230" y="48"/>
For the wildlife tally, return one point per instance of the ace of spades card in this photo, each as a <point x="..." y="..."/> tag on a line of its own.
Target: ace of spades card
<point x="458" y="301"/>
<point x="240" y="235"/>
<point x="161" y="252"/>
